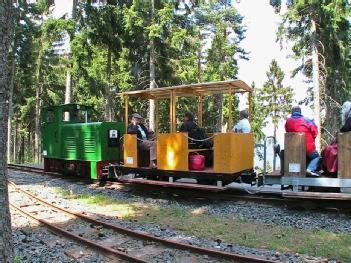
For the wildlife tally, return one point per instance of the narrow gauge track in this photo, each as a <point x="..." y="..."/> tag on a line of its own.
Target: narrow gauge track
<point x="267" y="198"/>
<point x="24" y="168"/>
<point x="37" y="209"/>
<point x="311" y="202"/>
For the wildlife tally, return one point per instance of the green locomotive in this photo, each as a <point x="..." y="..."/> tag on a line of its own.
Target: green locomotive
<point x="73" y="144"/>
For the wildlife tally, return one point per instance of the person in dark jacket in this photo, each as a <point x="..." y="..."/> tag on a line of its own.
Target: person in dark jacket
<point x="194" y="132"/>
<point x="145" y="137"/>
<point x="298" y="123"/>
<point x="188" y="124"/>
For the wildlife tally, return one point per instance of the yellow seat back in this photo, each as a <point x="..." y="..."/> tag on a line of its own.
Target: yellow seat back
<point x="172" y="151"/>
<point x="233" y="152"/>
<point x="130" y="150"/>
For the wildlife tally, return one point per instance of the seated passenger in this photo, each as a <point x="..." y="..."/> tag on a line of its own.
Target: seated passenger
<point x="330" y="152"/>
<point x="188" y="124"/>
<point x="243" y="126"/>
<point x="145" y="137"/>
<point x="197" y="137"/>
<point x="298" y="123"/>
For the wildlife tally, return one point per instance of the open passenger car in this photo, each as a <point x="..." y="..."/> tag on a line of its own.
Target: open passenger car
<point x="233" y="153"/>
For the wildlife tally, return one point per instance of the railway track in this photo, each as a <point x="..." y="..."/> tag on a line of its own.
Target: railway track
<point x="181" y="192"/>
<point x="70" y="224"/>
<point x="313" y="201"/>
<point x="25" y="168"/>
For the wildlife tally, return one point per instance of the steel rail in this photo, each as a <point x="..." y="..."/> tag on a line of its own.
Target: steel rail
<point x="83" y="240"/>
<point x="264" y="197"/>
<point x="207" y="251"/>
<point x="25" y="168"/>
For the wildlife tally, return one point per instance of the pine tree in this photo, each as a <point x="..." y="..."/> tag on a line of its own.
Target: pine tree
<point x="320" y="33"/>
<point x="258" y="116"/>
<point x="221" y="26"/>
<point x="275" y="99"/>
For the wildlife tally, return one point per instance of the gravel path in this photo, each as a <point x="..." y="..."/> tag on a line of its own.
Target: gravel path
<point x="249" y="210"/>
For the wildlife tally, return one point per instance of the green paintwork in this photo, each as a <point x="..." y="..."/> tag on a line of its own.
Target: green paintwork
<point x="76" y="139"/>
<point x="93" y="166"/>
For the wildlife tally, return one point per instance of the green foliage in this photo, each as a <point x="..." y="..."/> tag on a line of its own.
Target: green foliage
<point x="109" y="52"/>
<point x="275" y="99"/>
<point x="332" y="38"/>
<point x="258" y="116"/>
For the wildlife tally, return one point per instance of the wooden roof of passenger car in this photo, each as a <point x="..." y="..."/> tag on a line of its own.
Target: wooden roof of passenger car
<point x="197" y="89"/>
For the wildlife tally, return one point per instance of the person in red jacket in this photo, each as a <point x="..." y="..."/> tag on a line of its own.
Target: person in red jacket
<point x="298" y="123"/>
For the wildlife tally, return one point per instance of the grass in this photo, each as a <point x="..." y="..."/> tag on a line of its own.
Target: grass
<point x="104" y="202"/>
<point x="237" y="230"/>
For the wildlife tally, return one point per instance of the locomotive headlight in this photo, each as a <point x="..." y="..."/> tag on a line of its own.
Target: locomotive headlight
<point x="113" y="134"/>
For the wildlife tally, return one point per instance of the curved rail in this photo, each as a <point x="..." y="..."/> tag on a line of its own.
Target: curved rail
<point x="136" y="234"/>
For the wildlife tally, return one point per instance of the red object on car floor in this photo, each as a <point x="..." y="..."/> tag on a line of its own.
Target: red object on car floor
<point x="196" y="162"/>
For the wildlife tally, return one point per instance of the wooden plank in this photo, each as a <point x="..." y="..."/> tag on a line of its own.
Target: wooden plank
<point x="233" y="152"/>
<point x="199" y="111"/>
<point x="236" y="85"/>
<point x="172" y="151"/>
<point x="317" y="195"/>
<point x="175" y="184"/>
<point x="230" y="101"/>
<point x="198" y="150"/>
<point x="156" y="116"/>
<point x="250" y="106"/>
<point x="126" y="108"/>
<point x="172" y="111"/>
<point x="344" y="155"/>
<point x="295" y="154"/>
<point x="130" y="152"/>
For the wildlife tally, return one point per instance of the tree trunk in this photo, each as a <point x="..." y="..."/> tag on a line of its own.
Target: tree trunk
<point x="219" y="100"/>
<point x="9" y="131"/>
<point x="199" y="57"/>
<point x="15" y="144"/>
<point x="6" y="245"/>
<point x="108" y="100"/>
<point x="38" y="92"/>
<point x="37" y="121"/>
<point x="316" y="87"/>
<point x="68" y="91"/>
<point x="21" y="153"/>
<point x="69" y="88"/>
<point x="274" y="142"/>
<point x="152" y="72"/>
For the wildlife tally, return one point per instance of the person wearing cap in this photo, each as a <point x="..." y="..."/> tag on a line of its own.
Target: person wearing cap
<point x="243" y="126"/>
<point x="298" y="123"/>
<point x="145" y="137"/>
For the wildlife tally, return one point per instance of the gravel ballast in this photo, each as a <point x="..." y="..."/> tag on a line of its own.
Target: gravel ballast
<point x="265" y="214"/>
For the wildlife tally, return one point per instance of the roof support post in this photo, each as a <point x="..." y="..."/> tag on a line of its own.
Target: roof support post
<point x="199" y="111"/>
<point x="156" y="116"/>
<point x="230" y="117"/>
<point x="172" y="109"/>
<point x="126" y="118"/>
<point x="250" y="106"/>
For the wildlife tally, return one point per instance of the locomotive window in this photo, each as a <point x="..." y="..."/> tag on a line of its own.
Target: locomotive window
<point x="50" y="116"/>
<point x="66" y="116"/>
<point x="82" y="116"/>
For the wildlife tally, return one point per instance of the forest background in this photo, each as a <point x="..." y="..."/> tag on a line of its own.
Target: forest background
<point x="99" y="48"/>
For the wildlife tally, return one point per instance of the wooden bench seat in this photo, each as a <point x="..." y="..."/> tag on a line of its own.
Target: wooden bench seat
<point x="198" y="150"/>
